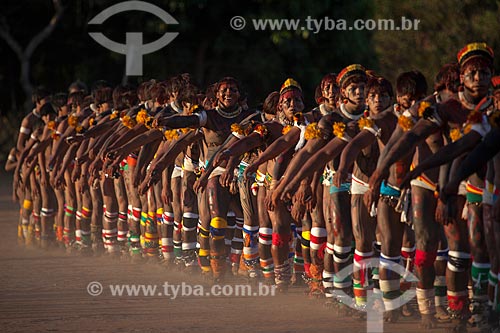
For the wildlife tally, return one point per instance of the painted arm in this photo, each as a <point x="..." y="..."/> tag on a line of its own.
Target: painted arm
<point x="298" y="161"/>
<point x="404" y="146"/>
<point x="24" y="134"/>
<point x="120" y="152"/>
<point x="477" y="158"/>
<point x="446" y="154"/>
<point x="179" y="121"/>
<point x="166" y="156"/>
<point x="239" y="147"/>
<point x="11" y="162"/>
<point x="123" y="137"/>
<point x="350" y="153"/>
<point x="280" y="145"/>
<point x="316" y="162"/>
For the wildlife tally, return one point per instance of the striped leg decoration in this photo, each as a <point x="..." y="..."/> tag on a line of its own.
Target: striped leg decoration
<point x="362" y="277"/>
<point x="390" y="288"/>
<point x="298" y="259"/>
<point x="408" y="256"/>
<point x="167" y="241"/>
<point x="341" y="255"/>
<point x="122" y="227"/>
<point x="251" y="249"/>
<point x="134" y="234"/>
<point x="110" y="231"/>
<point x="85" y="227"/>
<point x="237" y="244"/>
<point x="189" y="226"/>
<point x="151" y="236"/>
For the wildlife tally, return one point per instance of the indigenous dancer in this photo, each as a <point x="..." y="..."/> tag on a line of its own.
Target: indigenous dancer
<point x="216" y="125"/>
<point x="361" y="152"/>
<point x="475" y="73"/>
<point x="39" y="97"/>
<point x="330" y="135"/>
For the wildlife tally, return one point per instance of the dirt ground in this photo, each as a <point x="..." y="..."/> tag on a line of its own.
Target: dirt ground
<point x="47" y="291"/>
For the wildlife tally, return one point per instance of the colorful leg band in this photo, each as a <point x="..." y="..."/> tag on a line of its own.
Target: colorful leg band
<point x="218" y="227"/>
<point x="239" y="223"/>
<point x="267" y="266"/>
<point x="442" y="254"/>
<point x="391" y="294"/>
<point x="341" y="254"/>
<point x="329" y="248"/>
<point x="479" y="273"/>
<point x="424" y="259"/>
<point x="458" y="301"/>
<point x="86" y="213"/>
<point x="280" y="240"/>
<point x="306" y="239"/>
<point x="27" y="204"/>
<point x="136" y="214"/>
<point x="203" y="260"/>
<point x="144" y="218"/>
<point x="361" y="267"/>
<point x="425" y="300"/>
<point x="408" y="255"/>
<point x="204" y="233"/>
<point x="250" y="245"/>
<point x="458" y="261"/>
<point x="328" y="283"/>
<point x="389" y="263"/>
<point x="168" y="218"/>
<point x="69" y="211"/>
<point x="265" y="236"/>
<point x="318" y="237"/>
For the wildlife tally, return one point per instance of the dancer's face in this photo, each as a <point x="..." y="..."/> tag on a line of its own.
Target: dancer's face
<point x="355" y="92"/>
<point x="377" y="101"/>
<point x="291" y="103"/>
<point x="476" y="80"/>
<point x="329" y="91"/>
<point x="405" y="101"/>
<point x="228" y="95"/>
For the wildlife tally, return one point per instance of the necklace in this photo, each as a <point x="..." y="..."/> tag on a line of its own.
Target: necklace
<point x="324" y="110"/>
<point x="284" y="120"/>
<point x="226" y="114"/>
<point x="348" y="115"/>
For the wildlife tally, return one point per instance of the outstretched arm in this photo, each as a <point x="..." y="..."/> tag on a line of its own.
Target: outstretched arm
<point x="407" y="143"/>
<point x="181" y="121"/>
<point x="280" y="145"/>
<point x="119" y="153"/>
<point x="446" y="154"/>
<point x="350" y="153"/>
<point x="298" y="161"/>
<point x="485" y="151"/>
<point x="316" y="162"/>
<point x="478" y="157"/>
<point x="239" y="147"/>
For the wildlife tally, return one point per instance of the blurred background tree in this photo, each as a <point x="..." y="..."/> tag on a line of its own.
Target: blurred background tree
<point x="209" y="49"/>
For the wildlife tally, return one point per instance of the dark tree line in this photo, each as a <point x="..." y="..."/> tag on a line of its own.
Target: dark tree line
<point x="208" y="48"/>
